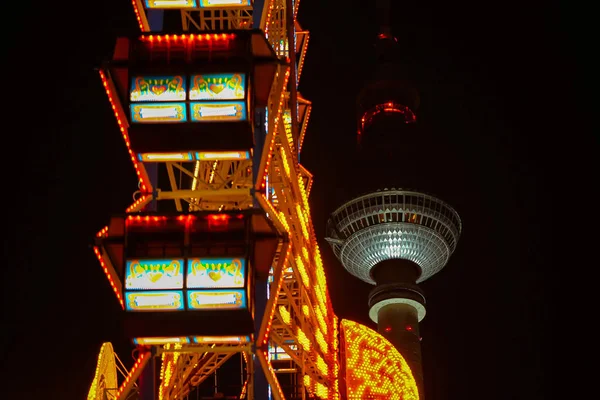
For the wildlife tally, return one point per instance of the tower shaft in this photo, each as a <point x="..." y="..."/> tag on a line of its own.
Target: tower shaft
<point x="399" y="324"/>
<point x="397" y="304"/>
<point x="383" y="17"/>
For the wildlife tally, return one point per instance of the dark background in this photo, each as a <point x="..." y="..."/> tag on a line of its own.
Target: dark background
<point x="503" y="96"/>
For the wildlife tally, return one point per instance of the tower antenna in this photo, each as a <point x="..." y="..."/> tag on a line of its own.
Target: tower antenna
<point x="383" y="18"/>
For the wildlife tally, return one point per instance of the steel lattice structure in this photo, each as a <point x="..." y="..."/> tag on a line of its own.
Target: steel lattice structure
<point x="299" y="317"/>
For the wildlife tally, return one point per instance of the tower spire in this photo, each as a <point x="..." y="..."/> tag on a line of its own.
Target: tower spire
<point x="383" y="18"/>
<point x="389" y="89"/>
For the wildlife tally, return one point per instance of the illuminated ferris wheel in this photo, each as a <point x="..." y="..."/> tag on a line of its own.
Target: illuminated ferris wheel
<point x="215" y="264"/>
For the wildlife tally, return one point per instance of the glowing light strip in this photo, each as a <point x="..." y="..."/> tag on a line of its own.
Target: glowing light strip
<point x="139" y="203"/>
<point x="109" y="274"/>
<point x="296" y="6"/>
<point x="389" y="107"/>
<point x="103" y="232"/>
<point x="246" y="382"/>
<point x="188" y="37"/>
<point x="304" y="125"/>
<point x="305" y="174"/>
<point x="122" y="122"/>
<point x="303" y="52"/>
<point x="265" y="20"/>
<point x="287" y="124"/>
<point x="265" y="328"/>
<point x="270" y="140"/>
<point x="134" y="373"/>
<point x="263" y="358"/>
<point x="140" y="16"/>
<point x="284" y="314"/>
<point x="168" y="365"/>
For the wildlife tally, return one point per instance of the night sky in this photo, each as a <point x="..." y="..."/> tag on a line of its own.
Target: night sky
<point x="499" y="85"/>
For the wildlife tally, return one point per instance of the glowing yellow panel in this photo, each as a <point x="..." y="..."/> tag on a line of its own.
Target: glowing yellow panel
<point x="218" y="87"/>
<point x="154" y="301"/>
<point x="157" y="88"/>
<point x="154" y="274"/>
<point x="158" y="112"/>
<point x="222" y="155"/>
<point x="204" y="273"/>
<point x="161" y="157"/>
<point x="223" y="3"/>
<point x="216" y="299"/>
<point x="374" y="368"/>
<point x="161" y="4"/>
<point x="209" y="111"/>
<point x="222" y="339"/>
<point x="160" y="340"/>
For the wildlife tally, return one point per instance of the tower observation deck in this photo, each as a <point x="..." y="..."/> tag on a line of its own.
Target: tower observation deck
<point x="393" y="238"/>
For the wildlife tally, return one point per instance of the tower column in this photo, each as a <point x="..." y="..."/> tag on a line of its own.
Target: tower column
<point x="397" y="305"/>
<point x="399" y="324"/>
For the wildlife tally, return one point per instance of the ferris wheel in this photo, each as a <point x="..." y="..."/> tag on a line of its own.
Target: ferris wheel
<point x="105" y="379"/>
<point x="215" y="264"/>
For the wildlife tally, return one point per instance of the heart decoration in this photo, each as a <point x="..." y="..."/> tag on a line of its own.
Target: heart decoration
<point x="216" y="87"/>
<point x="154" y="276"/>
<point x="158" y="89"/>
<point x="215" y="276"/>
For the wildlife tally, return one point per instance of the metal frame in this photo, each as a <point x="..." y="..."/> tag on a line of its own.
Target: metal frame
<point x="215" y="19"/>
<point x="297" y="285"/>
<point x="215" y="185"/>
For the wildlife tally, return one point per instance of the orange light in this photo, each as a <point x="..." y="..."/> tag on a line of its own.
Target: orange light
<point x="374" y="368"/>
<point x="207" y="36"/>
<point x="110" y="280"/>
<point x="146" y="220"/>
<point x="132" y="373"/>
<point x="219" y="217"/>
<point x="144" y="185"/>
<point x="218" y="221"/>
<point x="137" y="15"/>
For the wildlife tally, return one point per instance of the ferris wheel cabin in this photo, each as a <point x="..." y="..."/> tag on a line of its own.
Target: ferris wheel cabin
<point x="183" y="95"/>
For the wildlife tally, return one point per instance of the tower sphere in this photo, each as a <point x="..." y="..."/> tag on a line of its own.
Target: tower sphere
<point x="394" y="224"/>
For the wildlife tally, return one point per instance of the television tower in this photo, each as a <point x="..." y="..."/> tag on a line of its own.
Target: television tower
<point x="392" y="238"/>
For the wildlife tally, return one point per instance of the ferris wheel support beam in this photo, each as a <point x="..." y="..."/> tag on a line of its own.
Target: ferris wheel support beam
<point x="225" y="194"/>
<point x="173" y="182"/>
<point x="210" y="363"/>
<point x="153" y="19"/>
<point x="291" y="37"/>
<point x="208" y="348"/>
